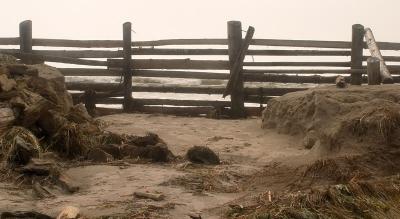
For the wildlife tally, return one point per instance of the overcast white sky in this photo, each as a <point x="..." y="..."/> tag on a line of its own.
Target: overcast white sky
<point x="160" y="19"/>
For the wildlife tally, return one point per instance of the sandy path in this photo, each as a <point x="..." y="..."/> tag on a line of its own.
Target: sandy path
<point x="243" y="146"/>
<point x="236" y="140"/>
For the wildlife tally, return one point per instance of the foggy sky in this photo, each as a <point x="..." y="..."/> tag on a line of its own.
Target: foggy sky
<point x="161" y="19"/>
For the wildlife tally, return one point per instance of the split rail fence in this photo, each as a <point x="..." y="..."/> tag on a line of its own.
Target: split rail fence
<point x="114" y="58"/>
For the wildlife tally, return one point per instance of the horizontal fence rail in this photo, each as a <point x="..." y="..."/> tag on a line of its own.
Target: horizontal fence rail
<point x="128" y="60"/>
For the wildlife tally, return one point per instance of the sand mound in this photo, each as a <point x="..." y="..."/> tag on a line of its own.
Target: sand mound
<point x="334" y="118"/>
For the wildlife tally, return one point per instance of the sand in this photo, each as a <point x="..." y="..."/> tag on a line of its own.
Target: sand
<point x="108" y="189"/>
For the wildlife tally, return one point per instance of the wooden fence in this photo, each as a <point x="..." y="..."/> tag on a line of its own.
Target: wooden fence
<point x="114" y="58"/>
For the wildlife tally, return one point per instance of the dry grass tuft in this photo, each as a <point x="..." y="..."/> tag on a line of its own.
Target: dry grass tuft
<point x="8" y="141"/>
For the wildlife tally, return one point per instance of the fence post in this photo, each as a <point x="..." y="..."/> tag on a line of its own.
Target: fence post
<point x="127" y="49"/>
<point x="374" y="71"/>
<point x="357" y="46"/>
<point x="234" y="45"/>
<point x="25" y="39"/>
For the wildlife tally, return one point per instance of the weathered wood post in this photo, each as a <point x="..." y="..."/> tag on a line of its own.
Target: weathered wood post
<point x="127" y="49"/>
<point x="25" y="39"/>
<point x="234" y="46"/>
<point x="357" y="45"/>
<point x="386" y="77"/>
<point x="374" y="71"/>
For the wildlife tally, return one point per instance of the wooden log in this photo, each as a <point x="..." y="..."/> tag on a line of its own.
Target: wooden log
<point x="180" y="89"/>
<point x="386" y="58"/>
<point x="271" y="91"/>
<point x="72" y="53"/>
<point x="257" y="99"/>
<point x="152" y="196"/>
<point x="109" y="100"/>
<point x="281" y="78"/>
<point x="181" y="74"/>
<point x="98" y="87"/>
<point x="357" y="52"/>
<point x="375" y="52"/>
<point x="169" y="42"/>
<point x="299" y="52"/>
<point x="127" y="38"/>
<point x="78" y="43"/>
<point x="321" y="64"/>
<point x="174" y="102"/>
<point x="156" y="51"/>
<point x="25" y="40"/>
<point x="59" y="59"/>
<point x="237" y="52"/>
<point x="304" y="71"/>
<point x="302" y="43"/>
<point x="89" y="72"/>
<point x="144" y="73"/>
<point x="172" y="64"/>
<point x="109" y="87"/>
<point x="374" y="77"/>
<point x="9" y="41"/>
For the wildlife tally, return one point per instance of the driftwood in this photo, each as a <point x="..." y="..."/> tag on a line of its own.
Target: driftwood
<point x="69" y="212"/>
<point x="375" y="52"/>
<point x="152" y="196"/>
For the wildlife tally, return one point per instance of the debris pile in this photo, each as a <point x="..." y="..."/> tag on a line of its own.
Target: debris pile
<point x="37" y="115"/>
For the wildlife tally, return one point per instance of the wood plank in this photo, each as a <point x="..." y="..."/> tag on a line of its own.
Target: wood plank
<point x="77" y="43"/>
<point x="304" y="71"/>
<point x="179" y="52"/>
<point x="175" y="102"/>
<point x="169" y="42"/>
<point x="280" y="78"/>
<point x="386" y="77"/>
<point x="9" y="41"/>
<point x="59" y="59"/>
<point x="181" y="74"/>
<point x="172" y="64"/>
<point x="321" y="64"/>
<point x="73" y="53"/>
<point x="89" y="72"/>
<point x="302" y="43"/>
<point x="299" y="52"/>
<point x="114" y="87"/>
<point x="235" y="79"/>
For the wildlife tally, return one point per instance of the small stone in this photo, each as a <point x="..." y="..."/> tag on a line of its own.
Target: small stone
<point x="69" y="212"/>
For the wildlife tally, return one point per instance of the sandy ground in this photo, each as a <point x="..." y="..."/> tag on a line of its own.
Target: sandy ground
<point x="108" y="189"/>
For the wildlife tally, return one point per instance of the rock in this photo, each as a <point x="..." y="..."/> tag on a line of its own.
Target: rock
<point x="202" y="155"/>
<point x="98" y="155"/>
<point x="22" y="152"/>
<point x="50" y="83"/>
<point x="69" y="212"/>
<point x="340" y="82"/>
<point x="31" y="105"/>
<point x="6" y="84"/>
<point x="24" y="214"/>
<point x="7" y="118"/>
<point x="67" y="183"/>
